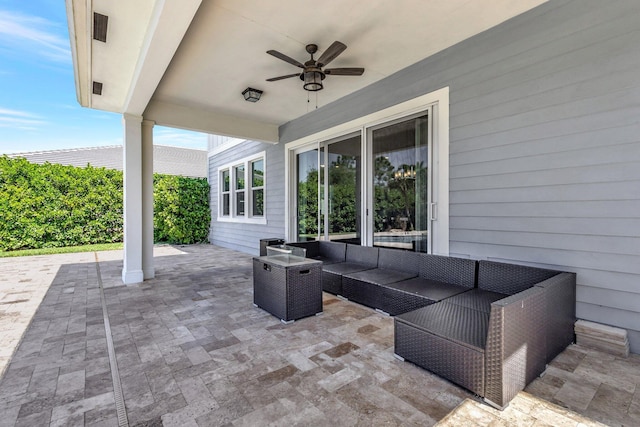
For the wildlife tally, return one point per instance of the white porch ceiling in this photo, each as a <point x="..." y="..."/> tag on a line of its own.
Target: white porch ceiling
<point x="224" y="50"/>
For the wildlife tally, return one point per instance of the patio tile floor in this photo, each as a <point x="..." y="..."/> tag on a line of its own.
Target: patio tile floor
<point x="191" y="350"/>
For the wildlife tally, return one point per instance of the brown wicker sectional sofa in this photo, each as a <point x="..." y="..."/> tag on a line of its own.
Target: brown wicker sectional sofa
<point x="490" y="327"/>
<point x="496" y="338"/>
<point x="405" y="281"/>
<point x="389" y="280"/>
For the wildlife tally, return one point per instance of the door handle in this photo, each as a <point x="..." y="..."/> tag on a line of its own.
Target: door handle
<point x="433" y="211"/>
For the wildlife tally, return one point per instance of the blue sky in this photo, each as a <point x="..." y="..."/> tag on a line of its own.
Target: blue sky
<point x="38" y="106"/>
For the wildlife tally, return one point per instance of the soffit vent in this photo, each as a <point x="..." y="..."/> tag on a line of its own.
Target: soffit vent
<point x="97" y="88"/>
<point x="100" y="27"/>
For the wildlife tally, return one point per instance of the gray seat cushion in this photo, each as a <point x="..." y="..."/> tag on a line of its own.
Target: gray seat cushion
<point x="431" y="289"/>
<point x="462" y="325"/>
<point x="343" y="268"/>
<point x="326" y="260"/>
<point x="477" y="299"/>
<point x="381" y="276"/>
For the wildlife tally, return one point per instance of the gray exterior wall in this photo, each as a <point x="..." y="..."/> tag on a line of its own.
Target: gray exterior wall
<point x="242" y="236"/>
<point x="545" y="145"/>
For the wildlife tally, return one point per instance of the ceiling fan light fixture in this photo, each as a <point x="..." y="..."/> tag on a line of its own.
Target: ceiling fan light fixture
<point x="312" y="73"/>
<point x="312" y="80"/>
<point x="251" y="94"/>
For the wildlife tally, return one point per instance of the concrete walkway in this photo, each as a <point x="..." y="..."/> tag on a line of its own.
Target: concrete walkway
<point x="191" y="350"/>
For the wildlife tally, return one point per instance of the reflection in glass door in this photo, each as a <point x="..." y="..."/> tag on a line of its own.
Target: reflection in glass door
<point x="400" y="174"/>
<point x="307" y="195"/>
<point x="329" y="188"/>
<point x="341" y="201"/>
<point x="328" y="201"/>
<point x="387" y="201"/>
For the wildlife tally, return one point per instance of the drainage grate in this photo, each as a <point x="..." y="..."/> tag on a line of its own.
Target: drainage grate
<point x="115" y="375"/>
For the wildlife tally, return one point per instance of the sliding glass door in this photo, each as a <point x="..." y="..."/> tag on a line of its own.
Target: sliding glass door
<point x="334" y="186"/>
<point x="341" y="200"/>
<point x="328" y="196"/>
<point x="400" y="184"/>
<point x="307" y="195"/>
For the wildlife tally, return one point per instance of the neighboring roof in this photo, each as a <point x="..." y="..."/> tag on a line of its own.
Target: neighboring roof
<point x="166" y="160"/>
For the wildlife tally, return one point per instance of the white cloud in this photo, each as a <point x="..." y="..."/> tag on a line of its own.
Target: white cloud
<point x="19" y="119"/>
<point x="16" y="113"/>
<point x="32" y="35"/>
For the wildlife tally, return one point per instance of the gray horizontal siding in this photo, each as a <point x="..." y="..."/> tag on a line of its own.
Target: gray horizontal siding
<point x="605" y="227"/>
<point x="545" y="155"/>
<point x="611" y="245"/>
<point x="607" y="315"/>
<point x="243" y="236"/>
<point x="544" y="145"/>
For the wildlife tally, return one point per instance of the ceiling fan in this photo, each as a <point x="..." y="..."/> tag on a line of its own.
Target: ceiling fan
<point x="312" y="73"/>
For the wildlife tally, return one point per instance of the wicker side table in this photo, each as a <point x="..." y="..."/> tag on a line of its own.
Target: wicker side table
<point x="287" y="286"/>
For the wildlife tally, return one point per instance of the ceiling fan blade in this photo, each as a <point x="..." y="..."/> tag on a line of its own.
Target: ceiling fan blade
<point x="344" y="71"/>
<point x="285" y="58"/>
<point x="331" y="53"/>
<point x="275" y="79"/>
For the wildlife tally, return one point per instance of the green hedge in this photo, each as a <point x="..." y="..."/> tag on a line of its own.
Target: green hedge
<point x="181" y="209"/>
<point x="44" y="206"/>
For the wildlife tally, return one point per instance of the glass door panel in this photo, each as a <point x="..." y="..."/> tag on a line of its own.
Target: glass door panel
<point x="401" y="185"/>
<point x="342" y="190"/>
<point x="307" y="195"/>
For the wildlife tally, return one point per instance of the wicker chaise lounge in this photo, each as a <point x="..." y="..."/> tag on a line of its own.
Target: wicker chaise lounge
<point x="493" y="340"/>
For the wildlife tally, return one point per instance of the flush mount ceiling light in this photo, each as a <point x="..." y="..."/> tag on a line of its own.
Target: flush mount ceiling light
<point x="251" y="94"/>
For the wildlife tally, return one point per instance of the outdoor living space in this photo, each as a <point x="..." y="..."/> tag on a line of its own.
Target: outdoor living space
<point x="191" y="349"/>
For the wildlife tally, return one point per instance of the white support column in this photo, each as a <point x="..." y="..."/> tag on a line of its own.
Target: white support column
<point x="147" y="199"/>
<point x="132" y="200"/>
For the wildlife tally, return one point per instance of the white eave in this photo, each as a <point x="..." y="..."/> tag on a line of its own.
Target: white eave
<point x="184" y="63"/>
<point x="142" y="37"/>
<point x="79" y="26"/>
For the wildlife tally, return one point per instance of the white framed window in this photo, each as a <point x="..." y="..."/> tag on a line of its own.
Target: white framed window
<point x="257" y="187"/>
<point x="241" y="190"/>
<point x="225" y="193"/>
<point x="239" y="180"/>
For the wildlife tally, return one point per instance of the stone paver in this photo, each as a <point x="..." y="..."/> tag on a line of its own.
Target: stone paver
<point x="193" y="351"/>
<point x="23" y="283"/>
